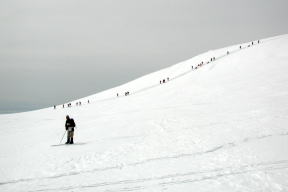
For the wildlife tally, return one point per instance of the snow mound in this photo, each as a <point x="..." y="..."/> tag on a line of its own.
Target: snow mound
<point x="220" y="127"/>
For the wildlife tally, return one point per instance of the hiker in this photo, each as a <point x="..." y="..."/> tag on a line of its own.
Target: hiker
<point x="88" y="101"/>
<point x="54" y="106"/>
<point x="163" y="81"/>
<point x="167" y="78"/>
<point x="227" y="52"/>
<point x="258" y="41"/>
<point x="69" y="126"/>
<point x="63" y="106"/>
<point x="160" y="81"/>
<point x="240" y="47"/>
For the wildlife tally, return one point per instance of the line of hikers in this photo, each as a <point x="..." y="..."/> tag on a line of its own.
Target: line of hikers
<point x="70" y="104"/>
<point x="213" y="58"/>
<point x="126" y="94"/>
<point x="164" y="80"/>
<point x="193" y="67"/>
<point x="167" y="79"/>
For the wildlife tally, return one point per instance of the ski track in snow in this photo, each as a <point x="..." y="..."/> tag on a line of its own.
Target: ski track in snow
<point x="147" y="161"/>
<point x="179" y="178"/>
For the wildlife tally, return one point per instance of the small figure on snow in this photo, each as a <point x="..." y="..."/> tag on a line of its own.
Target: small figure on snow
<point x="69" y="126"/>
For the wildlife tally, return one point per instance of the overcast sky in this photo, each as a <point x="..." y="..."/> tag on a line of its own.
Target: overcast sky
<point x="52" y="51"/>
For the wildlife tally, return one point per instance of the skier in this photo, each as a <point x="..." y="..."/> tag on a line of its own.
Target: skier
<point x="69" y="126"/>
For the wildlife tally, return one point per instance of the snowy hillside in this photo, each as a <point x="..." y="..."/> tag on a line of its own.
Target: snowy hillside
<point x="220" y="127"/>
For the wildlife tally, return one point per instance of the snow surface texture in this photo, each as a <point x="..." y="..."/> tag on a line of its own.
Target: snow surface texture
<point x="221" y="127"/>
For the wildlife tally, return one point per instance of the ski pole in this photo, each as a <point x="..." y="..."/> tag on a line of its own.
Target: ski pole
<point x="63" y="136"/>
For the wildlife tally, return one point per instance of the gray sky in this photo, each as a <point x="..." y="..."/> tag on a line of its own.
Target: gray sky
<point x="52" y="51"/>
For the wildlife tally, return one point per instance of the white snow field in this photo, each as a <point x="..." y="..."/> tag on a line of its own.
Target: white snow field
<point x="220" y="128"/>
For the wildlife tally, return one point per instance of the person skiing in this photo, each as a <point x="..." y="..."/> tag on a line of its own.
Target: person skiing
<point x="69" y="126"/>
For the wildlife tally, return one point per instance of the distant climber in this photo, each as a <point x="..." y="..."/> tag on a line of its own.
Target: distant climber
<point x="69" y="126"/>
<point x="54" y="106"/>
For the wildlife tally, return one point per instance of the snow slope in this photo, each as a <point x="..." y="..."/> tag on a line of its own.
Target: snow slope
<point x="222" y="127"/>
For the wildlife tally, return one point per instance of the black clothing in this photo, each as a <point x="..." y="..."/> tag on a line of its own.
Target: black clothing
<point x="70" y="123"/>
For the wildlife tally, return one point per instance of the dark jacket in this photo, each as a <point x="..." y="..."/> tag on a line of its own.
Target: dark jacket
<point x="70" y="123"/>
